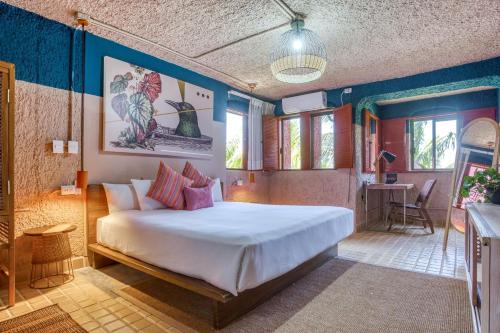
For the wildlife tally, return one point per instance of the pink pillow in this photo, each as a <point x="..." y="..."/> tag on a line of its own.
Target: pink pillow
<point x="199" y="179"/>
<point x="168" y="186"/>
<point x="197" y="198"/>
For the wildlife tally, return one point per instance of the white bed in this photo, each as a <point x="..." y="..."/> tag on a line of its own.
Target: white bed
<point x="234" y="246"/>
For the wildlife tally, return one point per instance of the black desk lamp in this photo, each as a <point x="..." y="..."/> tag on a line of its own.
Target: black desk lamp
<point x="389" y="157"/>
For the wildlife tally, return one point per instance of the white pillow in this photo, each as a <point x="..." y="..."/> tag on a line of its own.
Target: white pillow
<point x="141" y="187"/>
<point x="217" y="191"/>
<point x="120" y="197"/>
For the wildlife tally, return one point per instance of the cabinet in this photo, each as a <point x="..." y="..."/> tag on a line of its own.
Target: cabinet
<point x="482" y="256"/>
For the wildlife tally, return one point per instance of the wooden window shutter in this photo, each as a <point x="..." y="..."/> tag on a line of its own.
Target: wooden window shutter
<point x="371" y="151"/>
<point x="394" y="141"/>
<point x="343" y="145"/>
<point x="4" y="195"/>
<point x="305" y="141"/>
<point x="270" y="143"/>
<point x="470" y="115"/>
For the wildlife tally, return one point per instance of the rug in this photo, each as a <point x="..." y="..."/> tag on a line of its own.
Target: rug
<point x="51" y="319"/>
<point x="340" y="296"/>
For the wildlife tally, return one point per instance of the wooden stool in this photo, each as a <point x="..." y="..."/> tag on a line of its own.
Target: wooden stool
<point x="51" y="251"/>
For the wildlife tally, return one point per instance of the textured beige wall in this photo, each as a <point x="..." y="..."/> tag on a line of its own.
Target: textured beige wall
<point x="256" y="192"/>
<point x="43" y="114"/>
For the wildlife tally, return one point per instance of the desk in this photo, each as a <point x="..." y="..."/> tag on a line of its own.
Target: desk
<point x="387" y="187"/>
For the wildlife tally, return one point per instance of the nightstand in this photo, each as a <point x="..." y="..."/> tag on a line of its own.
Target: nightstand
<point x="51" y="264"/>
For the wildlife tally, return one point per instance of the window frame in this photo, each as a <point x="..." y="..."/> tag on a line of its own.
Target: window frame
<point x="311" y="131"/>
<point x="434" y="119"/>
<point x="244" y="139"/>
<point x="281" y="141"/>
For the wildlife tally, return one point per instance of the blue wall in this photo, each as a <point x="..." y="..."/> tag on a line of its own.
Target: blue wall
<point x="98" y="47"/>
<point x="41" y="49"/>
<point x="442" y="76"/>
<point x="439" y="105"/>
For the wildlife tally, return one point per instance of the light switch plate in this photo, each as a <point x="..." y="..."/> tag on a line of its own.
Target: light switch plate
<point x="68" y="189"/>
<point x="73" y="147"/>
<point x="58" y="146"/>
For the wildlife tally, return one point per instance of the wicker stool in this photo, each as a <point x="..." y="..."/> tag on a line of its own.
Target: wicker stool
<point x="51" y="264"/>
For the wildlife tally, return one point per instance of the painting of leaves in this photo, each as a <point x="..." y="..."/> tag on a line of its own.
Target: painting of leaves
<point x="146" y="112"/>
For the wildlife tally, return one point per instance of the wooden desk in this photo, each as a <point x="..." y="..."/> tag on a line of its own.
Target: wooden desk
<point x="482" y="257"/>
<point x="387" y="187"/>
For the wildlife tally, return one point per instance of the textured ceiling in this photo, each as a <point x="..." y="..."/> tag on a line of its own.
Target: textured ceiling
<point x="366" y="40"/>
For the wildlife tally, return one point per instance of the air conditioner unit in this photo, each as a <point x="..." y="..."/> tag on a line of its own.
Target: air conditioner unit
<point x="307" y="102"/>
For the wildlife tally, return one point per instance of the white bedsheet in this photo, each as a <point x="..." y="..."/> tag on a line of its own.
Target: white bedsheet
<point x="234" y="246"/>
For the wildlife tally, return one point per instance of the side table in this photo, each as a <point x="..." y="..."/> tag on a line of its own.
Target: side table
<point x="51" y="264"/>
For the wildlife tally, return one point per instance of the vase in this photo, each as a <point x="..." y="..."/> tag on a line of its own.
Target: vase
<point x="495" y="197"/>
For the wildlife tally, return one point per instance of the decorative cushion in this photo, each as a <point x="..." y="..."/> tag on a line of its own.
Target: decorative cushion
<point x="168" y="186"/>
<point x="217" y="191"/>
<point x="120" y="197"/>
<point x="198" y="178"/>
<point x="141" y="187"/>
<point x="197" y="198"/>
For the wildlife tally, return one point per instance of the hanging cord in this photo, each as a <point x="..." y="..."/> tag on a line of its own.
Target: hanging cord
<point x="72" y="85"/>
<point x="83" y="23"/>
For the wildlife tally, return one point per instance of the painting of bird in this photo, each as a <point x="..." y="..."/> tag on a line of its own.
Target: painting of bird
<point x="188" y="119"/>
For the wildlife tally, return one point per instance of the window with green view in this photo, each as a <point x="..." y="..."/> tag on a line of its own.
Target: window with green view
<point x="433" y="143"/>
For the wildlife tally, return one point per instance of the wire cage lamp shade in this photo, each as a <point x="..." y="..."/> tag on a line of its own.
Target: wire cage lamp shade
<point x="300" y="56"/>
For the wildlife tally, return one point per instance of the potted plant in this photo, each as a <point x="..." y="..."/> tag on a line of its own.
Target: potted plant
<point x="486" y="183"/>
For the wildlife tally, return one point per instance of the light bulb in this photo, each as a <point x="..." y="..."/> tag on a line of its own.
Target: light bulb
<point x="297" y="44"/>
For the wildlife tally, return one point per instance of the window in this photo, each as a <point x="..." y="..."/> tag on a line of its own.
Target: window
<point x="433" y="143"/>
<point x="322" y="140"/>
<point x="290" y="143"/>
<point x="235" y="140"/>
<point x="310" y="140"/>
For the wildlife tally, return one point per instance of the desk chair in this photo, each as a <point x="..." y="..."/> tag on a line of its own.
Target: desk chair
<point x="419" y="207"/>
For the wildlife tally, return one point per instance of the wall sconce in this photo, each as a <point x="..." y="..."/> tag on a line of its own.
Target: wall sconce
<point x="251" y="177"/>
<point x="238" y="182"/>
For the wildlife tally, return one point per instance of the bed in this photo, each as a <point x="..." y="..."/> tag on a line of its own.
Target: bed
<point x="237" y="254"/>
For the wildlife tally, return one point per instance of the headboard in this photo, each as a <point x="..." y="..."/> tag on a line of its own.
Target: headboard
<point x="97" y="206"/>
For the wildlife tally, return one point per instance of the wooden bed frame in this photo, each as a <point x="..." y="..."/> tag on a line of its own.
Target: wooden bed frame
<point x="225" y="306"/>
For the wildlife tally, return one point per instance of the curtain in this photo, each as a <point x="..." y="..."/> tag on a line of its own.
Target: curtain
<point x="256" y="110"/>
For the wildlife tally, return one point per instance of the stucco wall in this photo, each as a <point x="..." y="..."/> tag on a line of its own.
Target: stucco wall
<point x="42" y="114"/>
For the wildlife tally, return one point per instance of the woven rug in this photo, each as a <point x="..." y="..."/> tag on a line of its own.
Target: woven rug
<point x="47" y="320"/>
<point x="340" y="296"/>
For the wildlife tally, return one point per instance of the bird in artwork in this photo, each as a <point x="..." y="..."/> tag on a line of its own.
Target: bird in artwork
<point x="188" y="119"/>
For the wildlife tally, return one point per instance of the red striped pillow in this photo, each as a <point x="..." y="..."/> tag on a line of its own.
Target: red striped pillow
<point x="199" y="179"/>
<point x="168" y="187"/>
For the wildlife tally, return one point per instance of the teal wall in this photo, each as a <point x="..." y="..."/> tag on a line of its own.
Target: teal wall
<point x="43" y="49"/>
<point x="440" y="105"/>
<point x="415" y="84"/>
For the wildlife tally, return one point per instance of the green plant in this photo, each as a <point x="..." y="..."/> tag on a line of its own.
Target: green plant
<point x="485" y="182"/>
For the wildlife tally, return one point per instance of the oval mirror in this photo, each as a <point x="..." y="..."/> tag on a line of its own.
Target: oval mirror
<point x="478" y="147"/>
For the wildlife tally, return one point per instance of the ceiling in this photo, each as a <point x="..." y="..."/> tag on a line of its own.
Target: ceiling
<point x="366" y="40"/>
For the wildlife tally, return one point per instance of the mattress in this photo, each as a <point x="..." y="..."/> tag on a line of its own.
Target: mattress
<point x="234" y="246"/>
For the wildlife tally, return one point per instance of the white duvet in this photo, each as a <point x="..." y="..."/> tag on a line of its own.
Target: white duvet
<point x="234" y="246"/>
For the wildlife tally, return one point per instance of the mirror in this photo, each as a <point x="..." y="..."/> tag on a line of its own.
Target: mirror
<point x="478" y="147"/>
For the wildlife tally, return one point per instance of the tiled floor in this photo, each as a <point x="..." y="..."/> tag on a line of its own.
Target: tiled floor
<point x="90" y="299"/>
<point x="411" y="249"/>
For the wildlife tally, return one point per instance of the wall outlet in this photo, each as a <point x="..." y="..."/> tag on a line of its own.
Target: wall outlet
<point x="68" y="189"/>
<point x="58" y="146"/>
<point x="347" y="90"/>
<point x="73" y="147"/>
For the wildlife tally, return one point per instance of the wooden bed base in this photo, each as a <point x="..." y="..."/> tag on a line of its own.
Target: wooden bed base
<point x="225" y="306"/>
